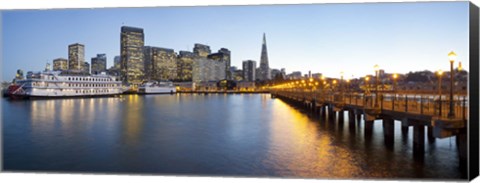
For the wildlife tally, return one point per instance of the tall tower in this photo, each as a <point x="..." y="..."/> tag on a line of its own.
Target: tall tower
<point x="264" y="69"/>
<point x="131" y="55"/>
<point x="76" y="56"/>
<point x="249" y="70"/>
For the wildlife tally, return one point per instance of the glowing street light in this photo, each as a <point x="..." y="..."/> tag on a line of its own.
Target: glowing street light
<point x="367" y="83"/>
<point x="451" y="56"/>
<point x="376" y="67"/>
<point x="440" y="73"/>
<point x="395" y="76"/>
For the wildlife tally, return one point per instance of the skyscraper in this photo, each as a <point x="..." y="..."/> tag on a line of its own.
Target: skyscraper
<point x="60" y="64"/>
<point x="131" y="53"/>
<point x="160" y="63"/>
<point x="117" y="62"/>
<point x="205" y="70"/>
<point x="76" y="56"/>
<point x="226" y="57"/>
<point x="249" y="67"/>
<point x="99" y="64"/>
<point x="184" y="65"/>
<point x="201" y="50"/>
<point x="264" y="68"/>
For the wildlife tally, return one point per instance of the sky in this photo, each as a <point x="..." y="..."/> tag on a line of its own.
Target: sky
<point x="322" y="38"/>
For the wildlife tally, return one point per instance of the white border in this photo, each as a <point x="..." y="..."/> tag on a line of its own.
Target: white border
<point x="56" y="4"/>
<point x="52" y="4"/>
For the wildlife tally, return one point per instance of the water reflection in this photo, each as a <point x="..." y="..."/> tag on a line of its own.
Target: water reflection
<point x="297" y="138"/>
<point x="246" y="135"/>
<point x="132" y="113"/>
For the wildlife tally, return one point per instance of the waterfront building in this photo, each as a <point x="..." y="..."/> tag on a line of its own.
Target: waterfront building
<point x="264" y="73"/>
<point x="249" y="68"/>
<point x="86" y="67"/>
<point x="246" y="86"/>
<point x="60" y="64"/>
<point x="204" y="70"/>
<point x="99" y="64"/>
<point x="201" y="50"/>
<point x="160" y="63"/>
<point x="131" y="54"/>
<point x="184" y="65"/>
<point x="76" y="56"/>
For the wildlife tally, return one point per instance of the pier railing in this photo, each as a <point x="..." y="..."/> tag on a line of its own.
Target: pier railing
<point x="408" y="102"/>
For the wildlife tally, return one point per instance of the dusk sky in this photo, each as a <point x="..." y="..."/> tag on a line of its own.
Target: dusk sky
<point x="324" y="38"/>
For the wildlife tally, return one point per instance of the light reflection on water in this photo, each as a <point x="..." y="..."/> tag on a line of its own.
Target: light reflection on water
<point x="243" y="135"/>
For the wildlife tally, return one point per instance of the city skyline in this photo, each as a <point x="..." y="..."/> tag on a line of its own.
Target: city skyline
<point x="294" y="43"/>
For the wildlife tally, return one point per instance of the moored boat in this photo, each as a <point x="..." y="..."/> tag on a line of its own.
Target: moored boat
<point x="155" y="87"/>
<point x="56" y="84"/>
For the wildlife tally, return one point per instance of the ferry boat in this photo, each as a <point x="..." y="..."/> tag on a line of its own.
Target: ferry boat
<point x="154" y="87"/>
<point x="55" y="84"/>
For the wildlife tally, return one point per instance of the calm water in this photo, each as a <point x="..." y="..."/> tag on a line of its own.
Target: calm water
<point x="238" y="135"/>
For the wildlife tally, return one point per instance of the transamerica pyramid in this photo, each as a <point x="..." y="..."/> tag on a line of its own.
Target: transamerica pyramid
<point x="264" y="69"/>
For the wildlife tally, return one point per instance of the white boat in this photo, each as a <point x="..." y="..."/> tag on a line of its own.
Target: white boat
<point x="154" y="87"/>
<point x="53" y="84"/>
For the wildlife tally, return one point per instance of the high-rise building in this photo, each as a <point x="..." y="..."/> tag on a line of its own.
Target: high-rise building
<point x="60" y="64"/>
<point x="264" y="68"/>
<point x="201" y="50"/>
<point x="223" y="55"/>
<point x="99" y="64"/>
<point x="227" y="58"/>
<point x="148" y="62"/>
<point x="249" y="67"/>
<point x="86" y="67"/>
<point x="160" y="63"/>
<point x="276" y="74"/>
<point x="184" y="65"/>
<point x="131" y="53"/>
<point x="205" y="70"/>
<point x="117" y="62"/>
<point x="76" y="56"/>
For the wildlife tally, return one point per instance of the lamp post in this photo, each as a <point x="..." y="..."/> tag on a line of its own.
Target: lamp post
<point x="395" y="76"/>
<point x="451" y="56"/>
<point x="367" y="84"/>
<point x="341" y="85"/>
<point x="376" y="84"/>
<point x="440" y="73"/>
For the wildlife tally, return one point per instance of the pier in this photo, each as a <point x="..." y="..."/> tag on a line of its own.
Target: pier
<point x="419" y="112"/>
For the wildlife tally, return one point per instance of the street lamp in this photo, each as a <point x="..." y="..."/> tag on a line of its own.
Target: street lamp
<point x="395" y="76"/>
<point x="341" y="85"/>
<point x="440" y="73"/>
<point x="451" y="56"/>
<point x="348" y="85"/>
<point x="367" y="83"/>
<point x="376" y="84"/>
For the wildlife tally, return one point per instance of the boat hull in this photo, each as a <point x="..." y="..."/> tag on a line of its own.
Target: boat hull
<point x="157" y="90"/>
